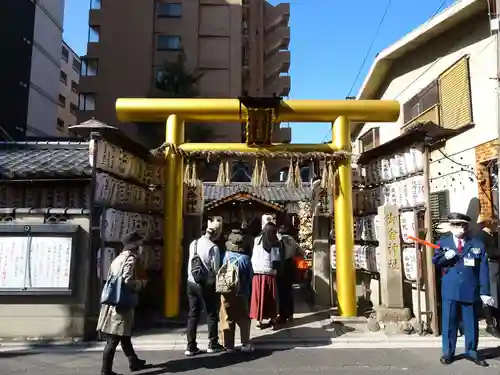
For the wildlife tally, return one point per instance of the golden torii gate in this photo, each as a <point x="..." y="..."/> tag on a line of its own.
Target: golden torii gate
<point x="178" y="111"/>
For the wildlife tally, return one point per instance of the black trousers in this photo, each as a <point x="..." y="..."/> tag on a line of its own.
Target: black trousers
<point x="492" y="313"/>
<point x="108" y="355"/>
<point x="197" y="296"/>
<point x="284" y="279"/>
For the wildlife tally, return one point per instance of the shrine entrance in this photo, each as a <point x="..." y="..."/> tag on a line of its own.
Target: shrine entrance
<point x="259" y="115"/>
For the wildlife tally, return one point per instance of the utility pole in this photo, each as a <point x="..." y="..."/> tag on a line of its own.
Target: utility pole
<point x="494" y="7"/>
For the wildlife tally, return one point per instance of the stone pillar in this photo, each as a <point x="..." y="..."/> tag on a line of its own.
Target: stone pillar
<point x="391" y="268"/>
<point x="322" y="219"/>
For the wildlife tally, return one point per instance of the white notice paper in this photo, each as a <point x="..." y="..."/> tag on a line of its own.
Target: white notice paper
<point x="50" y="262"/>
<point x="13" y="256"/>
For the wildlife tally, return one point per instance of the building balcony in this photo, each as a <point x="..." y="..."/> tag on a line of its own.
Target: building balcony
<point x="276" y="15"/>
<point x="277" y="39"/>
<point x="95" y="17"/>
<point x="430" y="115"/>
<point x="88" y="84"/>
<point x="279" y="86"/>
<point x="93" y="49"/>
<point x="282" y="135"/>
<point x="277" y="63"/>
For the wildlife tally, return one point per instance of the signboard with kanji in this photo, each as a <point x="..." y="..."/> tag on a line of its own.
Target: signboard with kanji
<point x="321" y="200"/>
<point x="193" y="199"/>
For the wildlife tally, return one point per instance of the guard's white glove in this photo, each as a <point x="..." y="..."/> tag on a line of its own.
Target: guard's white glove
<point x="488" y="300"/>
<point x="450" y="254"/>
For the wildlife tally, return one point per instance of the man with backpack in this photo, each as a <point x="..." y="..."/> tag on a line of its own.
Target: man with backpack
<point x="203" y="265"/>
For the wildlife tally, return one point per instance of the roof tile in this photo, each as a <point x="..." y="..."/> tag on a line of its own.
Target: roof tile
<point x="274" y="192"/>
<point x="34" y="160"/>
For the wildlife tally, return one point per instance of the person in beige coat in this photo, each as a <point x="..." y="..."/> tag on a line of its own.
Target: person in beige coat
<point x="115" y="323"/>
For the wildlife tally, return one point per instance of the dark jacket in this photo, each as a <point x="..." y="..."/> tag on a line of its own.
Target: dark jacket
<point x="490" y="241"/>
<point x="466" y="276"/>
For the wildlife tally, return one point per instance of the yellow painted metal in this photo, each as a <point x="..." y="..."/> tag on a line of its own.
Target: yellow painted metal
<point x="344" y="236"/>
<point x="228" y="110"/>
<point x="172" y="245"/>
<point x="177" y="111"/>
<point x="243" y="147"/>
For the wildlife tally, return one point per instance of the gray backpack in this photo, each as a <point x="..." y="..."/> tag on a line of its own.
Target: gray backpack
<point x="228" y="278"/>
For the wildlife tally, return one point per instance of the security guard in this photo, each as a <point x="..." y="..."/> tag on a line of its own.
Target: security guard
<point x="465" y="282"/>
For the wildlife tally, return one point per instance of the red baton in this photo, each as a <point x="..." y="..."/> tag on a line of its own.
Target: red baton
<point x="423" y="242"/>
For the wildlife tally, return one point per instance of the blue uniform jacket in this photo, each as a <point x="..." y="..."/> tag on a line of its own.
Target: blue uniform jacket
<point x="460" y="282"/>
<point x="245" y="270"/>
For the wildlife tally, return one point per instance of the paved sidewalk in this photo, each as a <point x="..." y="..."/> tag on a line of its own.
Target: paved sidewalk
<point x="309" y="330"/>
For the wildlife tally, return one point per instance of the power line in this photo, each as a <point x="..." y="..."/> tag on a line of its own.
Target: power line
<point x="370" y="47"/>
<point x="472" y="29"/>
<point x="441" y="6"/>
<point x="377" y="31"/>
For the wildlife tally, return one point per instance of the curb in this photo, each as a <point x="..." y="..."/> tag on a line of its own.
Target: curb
<point x="283" y="344"/>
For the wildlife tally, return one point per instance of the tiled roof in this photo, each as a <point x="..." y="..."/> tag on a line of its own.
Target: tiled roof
<point x="44" y="160"/>
<point x="274" y="192"/>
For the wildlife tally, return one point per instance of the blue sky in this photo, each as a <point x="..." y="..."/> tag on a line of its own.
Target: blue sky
<point x="329" y="41"/>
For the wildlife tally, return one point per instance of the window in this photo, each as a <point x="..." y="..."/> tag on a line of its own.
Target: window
<point x="77" y="66"/>
<point x="86" y="102"/>
<point x="74" y="86"/>
<point x="421" y="102"/>
<point x="63" y="78"/>
<point x="94" y="34"/>
<point x="168" y="42"/>
<point x="60" y="124"/>
<point x="170" y="10"/>
<point x="89" y="67"/>
<point x="369" y="140"/>
<point x="65" y="54"/>
<point x="95" y="4"/>
<point x="62" y="101"/>
<point x="73" y="108"/>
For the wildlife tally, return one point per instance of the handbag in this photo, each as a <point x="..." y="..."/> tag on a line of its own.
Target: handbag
<point x="116" y="293"/>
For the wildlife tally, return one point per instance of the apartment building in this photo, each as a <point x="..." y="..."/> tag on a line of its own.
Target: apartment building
<point x="32" y="31"/>
<point x="68" y="90"/>
<point x="442" y="72"/>
<point x="239" y="46"/>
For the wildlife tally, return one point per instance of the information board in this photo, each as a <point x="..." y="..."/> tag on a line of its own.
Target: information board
<point x="30" y="263"/>
<point x="50" y="263"/>
<point x="13" y="262"/>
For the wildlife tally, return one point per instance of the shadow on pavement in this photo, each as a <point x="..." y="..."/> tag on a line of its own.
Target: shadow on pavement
<point x="303" y="336"/>
<point x="208" y="362"/>
<point x="490" y="353"/>
<point x="15" y="354"/>
<point x="312" y="317"/>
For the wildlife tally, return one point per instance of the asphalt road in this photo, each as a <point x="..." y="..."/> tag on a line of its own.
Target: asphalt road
<point x="289" y="362"/>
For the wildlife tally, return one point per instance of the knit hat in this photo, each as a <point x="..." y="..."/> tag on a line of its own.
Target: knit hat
<point x="235" y="241"/>
<point x="131" y="240"/>
<point x="214" y="226"/>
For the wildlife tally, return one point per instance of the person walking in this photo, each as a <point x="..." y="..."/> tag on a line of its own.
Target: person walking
<point x="234" y="304"/>
<point x="285" y="275"/>
<point x="115" y="323"/>
<point x="465" y="282"/>
<point x="265" y="258"/>
<point x="203" y="265"/>
<point x="488" y="235"/>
